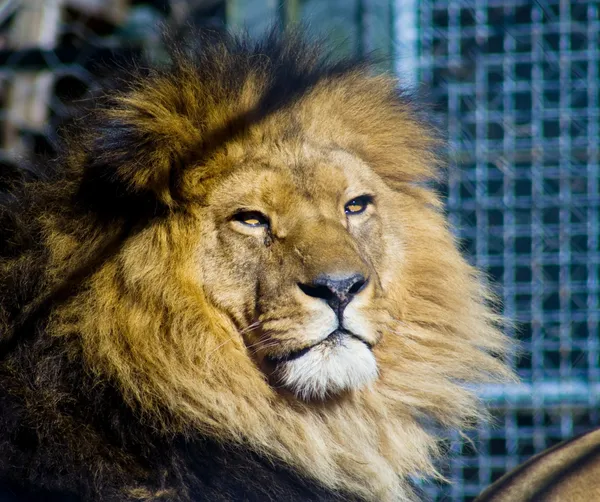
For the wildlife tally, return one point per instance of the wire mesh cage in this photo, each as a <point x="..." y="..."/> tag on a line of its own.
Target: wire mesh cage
<point x="516" y="87"/>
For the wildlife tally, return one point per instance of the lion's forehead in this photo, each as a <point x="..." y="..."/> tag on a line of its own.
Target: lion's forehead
<point x="281" y="176"/>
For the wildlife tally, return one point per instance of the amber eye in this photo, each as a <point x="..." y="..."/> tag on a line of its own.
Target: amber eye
<point x="251" y="218"/>
<point x="358" y="205"/>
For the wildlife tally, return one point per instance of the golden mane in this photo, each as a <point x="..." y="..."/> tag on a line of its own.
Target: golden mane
<point x="142" y="322"/>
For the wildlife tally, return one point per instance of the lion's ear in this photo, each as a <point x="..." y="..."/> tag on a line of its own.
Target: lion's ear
<point x="140" y="140"/>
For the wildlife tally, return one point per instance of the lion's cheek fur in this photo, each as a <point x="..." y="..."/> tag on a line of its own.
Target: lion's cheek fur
<point x="120" y="340"/>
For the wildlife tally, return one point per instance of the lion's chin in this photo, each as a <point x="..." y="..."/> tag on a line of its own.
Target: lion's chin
<point x="328" y="369"/>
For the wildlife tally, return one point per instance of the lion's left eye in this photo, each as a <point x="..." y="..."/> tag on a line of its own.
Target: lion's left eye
<point x="358" y="205"/>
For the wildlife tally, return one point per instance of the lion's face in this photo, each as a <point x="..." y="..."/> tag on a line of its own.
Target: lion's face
<point x="295" y="254"/>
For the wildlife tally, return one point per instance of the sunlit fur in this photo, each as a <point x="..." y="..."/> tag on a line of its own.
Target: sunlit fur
<point x="186" y="306"/>
<point x="568" y="471"/>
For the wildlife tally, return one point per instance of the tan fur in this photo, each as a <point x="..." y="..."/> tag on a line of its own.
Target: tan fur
<point x="170" y="316"/>
<point x="567" y="472"/>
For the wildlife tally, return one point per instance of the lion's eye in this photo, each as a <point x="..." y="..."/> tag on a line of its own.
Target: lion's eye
<point x="358" y="205"/>
<point x="252" y="218"/>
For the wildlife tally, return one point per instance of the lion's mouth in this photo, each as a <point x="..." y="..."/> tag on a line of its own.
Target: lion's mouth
<point x="334" y="338"/>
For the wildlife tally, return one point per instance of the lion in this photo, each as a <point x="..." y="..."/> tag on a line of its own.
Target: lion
<point x="236" y="282"/>
<point x="569" y="471"/>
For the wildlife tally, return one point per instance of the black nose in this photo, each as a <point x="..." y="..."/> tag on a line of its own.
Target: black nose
<point x="336" y="290"/>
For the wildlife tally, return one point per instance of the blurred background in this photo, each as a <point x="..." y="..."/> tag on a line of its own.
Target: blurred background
<point x="514" y="84"/>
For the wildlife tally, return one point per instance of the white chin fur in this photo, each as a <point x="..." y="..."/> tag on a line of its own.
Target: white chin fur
<point x="329" y="369"/>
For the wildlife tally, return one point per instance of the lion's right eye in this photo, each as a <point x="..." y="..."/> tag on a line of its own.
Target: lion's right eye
<point x="251" y="218"/>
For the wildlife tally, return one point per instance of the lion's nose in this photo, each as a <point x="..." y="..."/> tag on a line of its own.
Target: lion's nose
<point x="336" y="290"/>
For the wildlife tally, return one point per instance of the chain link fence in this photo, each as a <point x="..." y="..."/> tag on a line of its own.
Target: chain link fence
<point x="515" y="86"/>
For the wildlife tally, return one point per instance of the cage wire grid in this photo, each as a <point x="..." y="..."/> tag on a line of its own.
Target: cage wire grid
<point x="514" y="85"/>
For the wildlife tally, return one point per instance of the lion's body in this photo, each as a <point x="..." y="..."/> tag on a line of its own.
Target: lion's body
<point x="163" y="339"/>
<point x="567" y="472"/>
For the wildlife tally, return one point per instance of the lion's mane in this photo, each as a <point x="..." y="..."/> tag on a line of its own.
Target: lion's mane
<point x="119" y="379"/>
